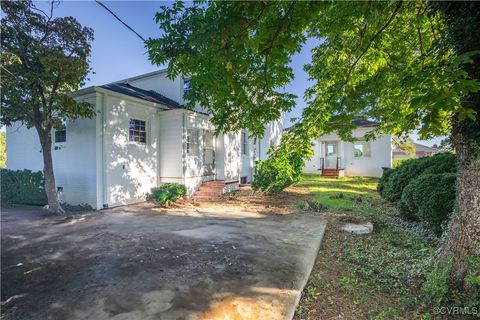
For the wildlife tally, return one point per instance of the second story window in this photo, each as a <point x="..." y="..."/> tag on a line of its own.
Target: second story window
<point x="61" y="134"/>
<point x="187" y="86"/>
<point x="137" y="131"/>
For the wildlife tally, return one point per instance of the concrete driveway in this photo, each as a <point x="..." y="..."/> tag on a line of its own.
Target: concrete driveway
<point x="136" y="262"/>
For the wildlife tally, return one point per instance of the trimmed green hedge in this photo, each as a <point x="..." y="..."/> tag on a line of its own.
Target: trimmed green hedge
<point x="395" y="180"/>
<point x="23" y="187"/>
<point x="430" y="198"/>
<point x="168" y="192"/>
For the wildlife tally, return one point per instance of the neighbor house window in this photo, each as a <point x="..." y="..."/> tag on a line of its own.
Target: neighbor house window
<point x="187" y="86"/>
<point x="137" y="131"/>
<point x="362" y="149"/>
<point x="61" y="134"/>
<point x="244" y="143"/>
<point x="193" y="142"/>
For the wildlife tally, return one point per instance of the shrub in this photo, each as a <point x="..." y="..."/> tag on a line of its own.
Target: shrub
<point x="394" y="183"/>
<point x="435" y="288"/>
<point x="430" y="198"/>
<point x="168" y="192"/>
<point x="383" y="180"/>
<point x="278" y="172"/>
<point x="23" y="187"/>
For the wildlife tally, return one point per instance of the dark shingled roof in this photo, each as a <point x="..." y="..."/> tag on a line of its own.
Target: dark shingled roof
<point x="358" y="122"/>
<point x="364" y="123"/>
<point x="148" y="95"/>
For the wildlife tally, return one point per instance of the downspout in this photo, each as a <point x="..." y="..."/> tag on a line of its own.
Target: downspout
<point x="184" y="165"/>
<point x="104" y="175"/>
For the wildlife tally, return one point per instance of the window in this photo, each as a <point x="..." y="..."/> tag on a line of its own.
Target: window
<point x="187" y="86"/>
<point x="362" y="149"/>
<point x="61" y="134"/>
<point x="137" y="131"/>
<point x="208" y="151"/>
<point x="193" y="142"/>
<point x="244" y="143"/>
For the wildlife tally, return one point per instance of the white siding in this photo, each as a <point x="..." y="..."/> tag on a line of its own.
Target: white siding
<point x="73" y="160"/>
<point x="161" y="84"/>
<point x="381" y="155"/>
<point x="313" y="165"/>
<point x="171" y="141"/>
<point x="130" y="167"/>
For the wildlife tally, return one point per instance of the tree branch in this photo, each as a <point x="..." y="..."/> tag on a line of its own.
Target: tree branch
<point x="352" y="67"/>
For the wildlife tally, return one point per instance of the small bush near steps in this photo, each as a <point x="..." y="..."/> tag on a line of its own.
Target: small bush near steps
<point x="167" y="193"/>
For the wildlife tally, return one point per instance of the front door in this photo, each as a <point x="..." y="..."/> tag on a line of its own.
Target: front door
<point x="331" y="154"/>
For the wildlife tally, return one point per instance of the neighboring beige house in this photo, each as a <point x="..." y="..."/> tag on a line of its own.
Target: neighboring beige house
<point x="420" y="151"/>
<point x="141" y="137"/>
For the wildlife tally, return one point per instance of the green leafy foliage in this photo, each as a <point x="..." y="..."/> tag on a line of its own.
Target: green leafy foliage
<point x="392" y="184"/>
<point x="76" y="207"/>
<point x="22" y="187"/>
<point x="389" y="62"/>
<point x="435" y="288"/>
<point x="3" y="149"/>
<point x="430" y="198"/>
<point x="43" y="59"/>
<point x="384" y="179"/>
<point x="168" y="192"/>
<point x="276" y="173"/>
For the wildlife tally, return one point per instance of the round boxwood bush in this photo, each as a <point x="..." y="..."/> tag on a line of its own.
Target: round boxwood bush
<point x="430" y="198"/>
<point x="168" y="192"/>
<point x="397" y="179"/>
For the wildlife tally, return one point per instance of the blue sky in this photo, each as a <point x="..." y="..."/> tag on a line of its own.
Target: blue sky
<point x="117" y="53"/>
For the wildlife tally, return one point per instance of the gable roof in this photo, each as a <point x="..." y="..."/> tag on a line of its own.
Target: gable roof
<point x="148" y="95"/>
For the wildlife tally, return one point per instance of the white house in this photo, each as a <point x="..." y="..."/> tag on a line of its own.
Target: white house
<point x="334" y="157"/>
<point x="141" y="137"/>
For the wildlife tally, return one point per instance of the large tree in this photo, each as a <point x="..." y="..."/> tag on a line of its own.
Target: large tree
<point x="43" y="60"/>
<point x="407" y="65"/>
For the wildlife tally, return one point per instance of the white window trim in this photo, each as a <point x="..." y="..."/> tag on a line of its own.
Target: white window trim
<point x="363" y="141"/>
<point x="60" y="143"/>
<point x="147" y="131"/>
<point x="246" y="144"/>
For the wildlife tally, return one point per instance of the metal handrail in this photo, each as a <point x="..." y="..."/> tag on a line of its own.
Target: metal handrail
<point x="322" y="163"/>
<point x="339" y="159"/>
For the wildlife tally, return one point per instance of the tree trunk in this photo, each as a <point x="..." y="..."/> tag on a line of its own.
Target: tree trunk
<point x="462" y="242"/>
<point x="50" y="186"/>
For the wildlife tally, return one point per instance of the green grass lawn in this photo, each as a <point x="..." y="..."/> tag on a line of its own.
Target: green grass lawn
<point x="351" y="194"/>
<point x="373" y="276"/>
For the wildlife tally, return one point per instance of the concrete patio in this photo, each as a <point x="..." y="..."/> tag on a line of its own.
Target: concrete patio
<point x="138" y="262"/>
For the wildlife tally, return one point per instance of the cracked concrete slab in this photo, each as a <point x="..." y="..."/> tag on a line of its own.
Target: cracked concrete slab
<point x="133" y="262"/>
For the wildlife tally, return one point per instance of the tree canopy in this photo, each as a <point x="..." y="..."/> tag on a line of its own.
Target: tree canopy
<point x="43" y="59"/>
<point x="386" y="61"/>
